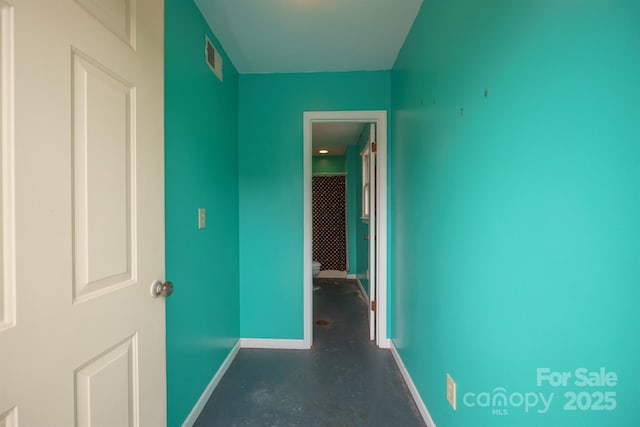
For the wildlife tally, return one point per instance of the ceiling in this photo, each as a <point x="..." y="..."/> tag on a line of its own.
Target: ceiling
<point x="335" y="136"/>
<point x="292" y="36"/>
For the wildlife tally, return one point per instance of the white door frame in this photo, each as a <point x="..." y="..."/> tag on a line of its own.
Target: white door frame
<point x="379" y="117"/>
<point x="373" y="232"/>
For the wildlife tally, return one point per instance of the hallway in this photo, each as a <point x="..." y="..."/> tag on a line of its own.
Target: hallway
<point x="344" y="380"/>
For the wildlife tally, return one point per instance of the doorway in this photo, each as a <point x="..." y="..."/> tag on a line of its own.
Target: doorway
<point x="377" y="246"/>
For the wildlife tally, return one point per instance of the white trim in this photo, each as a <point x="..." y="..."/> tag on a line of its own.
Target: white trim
<point x="269" y="343"/>
<point x="7" y="174"/>
<point x="362" y="291"/>
<point x="370" y="197"/>
<point x="381" y="233"/>
<point x="307" y="233"/>
<point x="204" y="397"/>
<point x="422" y="408"/>
<point x="379" y="117"/>
<point x="332" y="274"/>
<point x="352" y="276"/>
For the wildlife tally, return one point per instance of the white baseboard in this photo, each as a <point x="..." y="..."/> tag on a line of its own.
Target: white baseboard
<point x="422" y="408"/>
<point x="282" y="344"/>
<point x="364" y="293"/>
<point x="332" y="274"/>
<point x="382" y="343"/>
<point x="352" y="276"/>
<point x="204" y="398"/>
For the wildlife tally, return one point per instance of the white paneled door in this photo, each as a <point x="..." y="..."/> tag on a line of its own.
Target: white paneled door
<point x="82" y="223"/>
<point x="373" y="259"/>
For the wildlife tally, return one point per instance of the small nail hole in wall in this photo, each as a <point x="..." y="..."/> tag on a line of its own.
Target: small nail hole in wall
<point x="462" y="112"/>
<point x="486" y="92"/>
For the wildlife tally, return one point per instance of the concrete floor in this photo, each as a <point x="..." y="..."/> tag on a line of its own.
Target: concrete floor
<point x="344" y="380"/>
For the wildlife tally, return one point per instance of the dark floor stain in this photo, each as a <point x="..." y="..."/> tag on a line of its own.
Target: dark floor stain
<point x="322" y="322"/>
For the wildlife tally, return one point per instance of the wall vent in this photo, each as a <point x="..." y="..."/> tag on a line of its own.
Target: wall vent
<point x="213" y="58"/>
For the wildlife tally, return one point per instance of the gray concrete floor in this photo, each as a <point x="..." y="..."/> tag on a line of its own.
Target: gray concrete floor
<point x="344" y="380"/>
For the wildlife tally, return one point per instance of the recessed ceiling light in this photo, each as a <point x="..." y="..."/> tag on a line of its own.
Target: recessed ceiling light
<point x="323" y="151"/>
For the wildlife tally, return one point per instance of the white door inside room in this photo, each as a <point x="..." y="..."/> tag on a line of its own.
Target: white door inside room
<point x="369" y="211"/>
<point x="82" y="236"/>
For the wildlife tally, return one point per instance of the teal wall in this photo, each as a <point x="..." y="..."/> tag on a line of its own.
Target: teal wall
<point x="329" y="164"/>
<point x="271" y="190"/>
<point x="201" y="163"/>
<point x="515" y="227"/>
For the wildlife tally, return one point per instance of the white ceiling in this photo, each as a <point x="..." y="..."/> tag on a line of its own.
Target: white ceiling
<point x="291" y="36"/>
<point x="335" y="136"/>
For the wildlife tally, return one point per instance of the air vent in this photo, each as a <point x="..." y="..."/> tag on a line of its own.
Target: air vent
<point x="214" y="60"/>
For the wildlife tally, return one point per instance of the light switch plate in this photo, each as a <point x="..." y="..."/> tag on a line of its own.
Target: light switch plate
<point x="202" y="218"/>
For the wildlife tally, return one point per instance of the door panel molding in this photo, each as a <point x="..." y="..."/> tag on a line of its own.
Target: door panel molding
<point x="104" y="176"/>
<point x="9" y="418"/>
<point x="119" y="17"/>
<point x="7" y="175"/>
<point x="114" y="373"/>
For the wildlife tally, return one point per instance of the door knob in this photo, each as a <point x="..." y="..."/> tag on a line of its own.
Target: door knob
<point x="366" y="237"/>
<point x="159" y="288"/>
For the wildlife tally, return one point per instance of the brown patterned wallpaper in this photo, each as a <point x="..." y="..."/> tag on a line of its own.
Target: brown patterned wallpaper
<point x="329" y="222"/>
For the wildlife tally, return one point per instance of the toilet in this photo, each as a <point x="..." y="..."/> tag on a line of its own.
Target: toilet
<point x="316" y="268"/>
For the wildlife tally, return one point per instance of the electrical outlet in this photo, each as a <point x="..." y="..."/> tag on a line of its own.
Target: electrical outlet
<point x="451" y="391"/>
